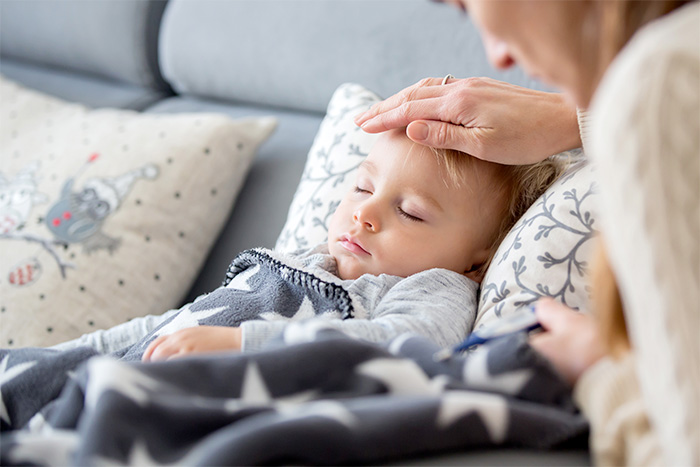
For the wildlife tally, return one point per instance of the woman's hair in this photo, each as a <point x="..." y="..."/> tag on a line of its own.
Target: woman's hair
<point x="607" y="304"/>
<point x="618" y="21"/>
<point x="517" y="186"/>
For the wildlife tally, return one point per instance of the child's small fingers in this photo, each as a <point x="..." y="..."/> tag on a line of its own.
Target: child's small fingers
<point x="150" y="352"/>
<point x="177" y="355"/>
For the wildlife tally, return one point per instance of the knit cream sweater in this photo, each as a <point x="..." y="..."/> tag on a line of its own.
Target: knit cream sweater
<point x="643" y="135"/>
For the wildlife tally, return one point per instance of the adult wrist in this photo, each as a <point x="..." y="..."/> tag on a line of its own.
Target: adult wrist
<point x="570" y="132"/>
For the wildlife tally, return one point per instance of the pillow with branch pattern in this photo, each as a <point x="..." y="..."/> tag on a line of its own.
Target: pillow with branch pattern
<point x="335" y="155"/>
<point x="547" y="253"/>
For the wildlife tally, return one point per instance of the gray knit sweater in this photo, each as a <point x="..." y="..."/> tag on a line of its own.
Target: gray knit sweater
<point x="437" y="303"/>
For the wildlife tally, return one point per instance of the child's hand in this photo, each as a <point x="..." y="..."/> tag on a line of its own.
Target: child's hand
<point x="193" y="340"/>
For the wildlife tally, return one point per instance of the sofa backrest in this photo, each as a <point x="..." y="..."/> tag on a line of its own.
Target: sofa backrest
<point x="114" y="39"/>
<point x="294" y="53"/>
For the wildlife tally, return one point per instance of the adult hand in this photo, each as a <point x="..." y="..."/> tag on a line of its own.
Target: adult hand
<point x="488" y="119"/>
<point x="571" y="340"/>
<point x="193" y="340"/>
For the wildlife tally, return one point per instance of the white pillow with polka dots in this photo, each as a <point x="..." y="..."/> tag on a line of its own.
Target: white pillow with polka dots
<point x="106" y="214"/>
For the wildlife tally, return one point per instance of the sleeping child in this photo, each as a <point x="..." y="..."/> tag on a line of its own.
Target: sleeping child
<point x="406" y="249"/>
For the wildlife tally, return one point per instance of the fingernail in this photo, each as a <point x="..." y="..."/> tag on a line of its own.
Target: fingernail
<point x="419" y="131"/>
<point x="358" y="117"/>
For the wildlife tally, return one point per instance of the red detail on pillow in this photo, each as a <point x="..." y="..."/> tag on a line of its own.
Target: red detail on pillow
<point x="18" y="277"/>
<point x="56" y="222"/>
<point x="67" y="215"/>
<point x="25" y="273"/>
<point x="93" y="157"/>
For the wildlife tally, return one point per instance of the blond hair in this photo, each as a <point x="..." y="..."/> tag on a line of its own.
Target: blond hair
<point x="516" y="187"/>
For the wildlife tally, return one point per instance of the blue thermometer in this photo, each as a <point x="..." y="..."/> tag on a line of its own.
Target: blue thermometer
<point x="522" y="320"/>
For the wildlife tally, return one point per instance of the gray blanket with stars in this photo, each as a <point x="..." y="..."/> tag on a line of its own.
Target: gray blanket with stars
<point x="315" y="396"/>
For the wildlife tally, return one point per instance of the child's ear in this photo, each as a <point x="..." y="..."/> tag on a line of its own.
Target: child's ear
<point x="477" y="271"/>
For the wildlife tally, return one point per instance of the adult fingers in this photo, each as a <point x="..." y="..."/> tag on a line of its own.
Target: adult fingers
<point x="400" y="116"/>
<point x="544" y="343"/>
<point x="552" y="315"/>
<point x="439" y="134"/>
<point x="424" y="89"/>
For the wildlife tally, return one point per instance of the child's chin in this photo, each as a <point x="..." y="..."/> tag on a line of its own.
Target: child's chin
<point x="349" y="271"/>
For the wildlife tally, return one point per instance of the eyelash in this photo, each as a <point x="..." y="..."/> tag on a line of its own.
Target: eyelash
<point x="408" y="216"/>
<point x="401" y="212"/>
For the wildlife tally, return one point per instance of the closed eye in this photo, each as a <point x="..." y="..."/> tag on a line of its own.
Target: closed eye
<point x="361" y="190"/>
<point x="408" y="216"/>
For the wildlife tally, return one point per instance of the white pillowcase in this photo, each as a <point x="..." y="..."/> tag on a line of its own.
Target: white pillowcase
<point x="106" y="214"/>
<point x="547" y="253"/>
<point x="338" y="150"/>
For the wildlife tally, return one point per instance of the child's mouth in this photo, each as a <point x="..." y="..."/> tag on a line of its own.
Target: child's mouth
<point x="353" y="245"/>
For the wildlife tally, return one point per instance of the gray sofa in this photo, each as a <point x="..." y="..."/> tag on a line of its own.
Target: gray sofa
<point x="247" y="58"/>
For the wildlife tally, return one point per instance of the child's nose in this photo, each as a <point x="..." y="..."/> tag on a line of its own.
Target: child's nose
<point x="366" y="219"/>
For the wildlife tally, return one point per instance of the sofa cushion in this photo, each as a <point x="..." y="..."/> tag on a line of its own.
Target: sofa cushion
<point x="88" y="90"/>
<point x="262" y="204"/>
<point x="546" y="253"/>
<point x="299" y="55"/>
<point x="107" y="214"/>
<point x="112" y="39"/>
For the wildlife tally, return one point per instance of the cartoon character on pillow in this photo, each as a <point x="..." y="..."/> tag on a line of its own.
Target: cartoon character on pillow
<point x="17" y="197"/>
<point x="78" y="216"/>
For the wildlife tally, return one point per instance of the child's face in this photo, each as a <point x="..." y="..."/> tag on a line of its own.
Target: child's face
<point x="402" y="218"/>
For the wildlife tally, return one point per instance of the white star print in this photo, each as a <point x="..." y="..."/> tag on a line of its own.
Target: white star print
<point x="298" y="333"/>
<point x="491" y="408"/>
<point x="40" y="449"/>
<point x="400" y="376"/>
<point x="240" y="281"/>
<point x="254" y="392"/>
<point x="140" y="456"/>
<point x="325" y="409"/>
<point x="305" y="311"/>
<point x="7" y="375"/>
<point x="254" y="389"/>
<point x="476" y="374"/>
<point x="38" y="424"/>
<point x="187" y="319"/>
<point x="107" y="374"/>
<point x="397" y="343"/>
